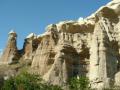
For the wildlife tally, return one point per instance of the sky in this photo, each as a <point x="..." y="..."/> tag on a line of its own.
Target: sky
<point x="27" y="16"/>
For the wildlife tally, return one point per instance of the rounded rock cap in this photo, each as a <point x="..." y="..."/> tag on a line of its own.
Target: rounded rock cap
<point x="12" y="32"/>
<point x="31" y="35"/>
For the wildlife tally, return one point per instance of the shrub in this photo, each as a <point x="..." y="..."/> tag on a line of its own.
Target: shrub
<point x="79" y="83"/>
<point x="9" y="84"/>
<point x="26" y="81"/>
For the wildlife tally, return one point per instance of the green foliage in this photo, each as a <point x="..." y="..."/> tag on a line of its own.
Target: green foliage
<point x="52" y="87"/>
<point x="26" y="81"/>
<point x="79" y="83"/>
<point x="9" y="84"/>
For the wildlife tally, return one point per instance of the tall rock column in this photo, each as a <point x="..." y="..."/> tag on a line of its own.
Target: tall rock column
<point x="10" y="54"/>
<point x="103" y="59"/>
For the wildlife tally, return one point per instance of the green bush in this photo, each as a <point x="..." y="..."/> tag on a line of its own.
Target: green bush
<point x="79" y="83"/>
<point x="26" y="81"/>
<point x="9" y="84"/>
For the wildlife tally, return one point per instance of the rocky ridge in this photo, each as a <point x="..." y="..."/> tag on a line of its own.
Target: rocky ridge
<point x="87" y="47"/>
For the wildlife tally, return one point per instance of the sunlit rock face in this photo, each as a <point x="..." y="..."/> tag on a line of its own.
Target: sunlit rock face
<point x="45" y="52"/>
<point x="87" y="47"/>
<point x="64" y="51"/>
<point x="30" y="46"/>
<point x="10" y="54"/>
<point x="104" y="51"/>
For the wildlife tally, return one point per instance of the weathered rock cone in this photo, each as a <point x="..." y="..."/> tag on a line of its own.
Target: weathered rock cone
<point x="10" y="54"/>
<point x="30" y="46"/>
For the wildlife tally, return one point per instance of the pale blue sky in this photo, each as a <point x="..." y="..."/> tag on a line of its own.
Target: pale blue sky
<point x="26" y="16"/>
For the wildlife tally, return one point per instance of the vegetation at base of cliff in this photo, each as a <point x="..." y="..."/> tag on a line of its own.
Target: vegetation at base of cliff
<point x="79" y="83"/>
<point x="26" y="81"/>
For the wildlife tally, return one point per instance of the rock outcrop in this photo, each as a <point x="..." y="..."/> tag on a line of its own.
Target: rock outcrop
<point x="30" y="46"/>
<point x="10" y="54"/>
<point x="63" y="52"/>
<point x="87" y="47"/>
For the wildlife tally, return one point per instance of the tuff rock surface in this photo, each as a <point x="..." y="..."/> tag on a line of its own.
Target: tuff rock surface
<point x="30" y="45"/>
<point x="10" y="54"/>
<point x="87" y="47"/>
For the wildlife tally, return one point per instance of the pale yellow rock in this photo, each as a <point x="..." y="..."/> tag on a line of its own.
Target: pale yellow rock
<point x="85" y="47"/>
<point x="10" y="54"/>
<point x="30" y="46"/>
<point x="88" y="47"/>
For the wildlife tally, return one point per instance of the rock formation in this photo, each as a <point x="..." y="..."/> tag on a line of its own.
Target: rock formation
<point x="60" y="54"/>
<point x="87" y="47"/>
<point x="30" y="45"/>
<point x="10" y="54"/>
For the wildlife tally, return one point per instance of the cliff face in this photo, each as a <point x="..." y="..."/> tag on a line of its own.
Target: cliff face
<point x="88" y="47"/>
<point x="63" y="51"/>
